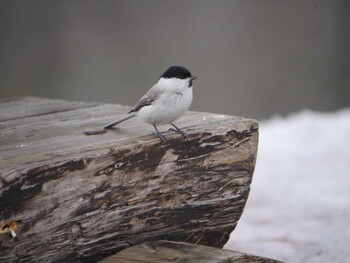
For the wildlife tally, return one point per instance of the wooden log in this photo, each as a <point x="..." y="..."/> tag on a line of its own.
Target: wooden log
<point x="81" y="198"/>
<point x="170" y="251"/>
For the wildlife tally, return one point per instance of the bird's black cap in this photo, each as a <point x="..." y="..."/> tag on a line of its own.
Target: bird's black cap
<point x="176" y="72"/>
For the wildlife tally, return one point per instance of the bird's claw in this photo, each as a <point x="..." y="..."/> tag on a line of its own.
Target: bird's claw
<point x="184" y="134"/>
<point x="159" y="135"/>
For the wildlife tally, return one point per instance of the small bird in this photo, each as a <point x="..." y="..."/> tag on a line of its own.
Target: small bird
<point x="165" y="102"/>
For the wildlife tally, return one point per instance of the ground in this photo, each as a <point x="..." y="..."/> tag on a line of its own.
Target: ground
<point x="299" y="205"/>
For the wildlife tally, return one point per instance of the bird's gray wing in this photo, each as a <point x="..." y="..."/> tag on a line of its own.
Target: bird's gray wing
<point x="148" y="98"/>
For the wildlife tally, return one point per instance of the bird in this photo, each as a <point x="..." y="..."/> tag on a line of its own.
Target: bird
<point x="165" y="102"/>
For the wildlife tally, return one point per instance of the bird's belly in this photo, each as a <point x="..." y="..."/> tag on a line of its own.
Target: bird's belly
<point x="166" y="111"/>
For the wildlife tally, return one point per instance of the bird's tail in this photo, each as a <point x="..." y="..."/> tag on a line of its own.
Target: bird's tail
<point x="112" y="124"/>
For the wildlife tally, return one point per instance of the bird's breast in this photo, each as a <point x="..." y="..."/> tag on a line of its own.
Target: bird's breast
<point x="168" y="108"/>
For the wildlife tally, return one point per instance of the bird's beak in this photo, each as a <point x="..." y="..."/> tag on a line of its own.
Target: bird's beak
<point x="190" y="81"/>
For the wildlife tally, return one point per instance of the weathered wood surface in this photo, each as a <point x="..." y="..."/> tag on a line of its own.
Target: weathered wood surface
<point x="169" y="251"/>
<point x="81" y="198"/>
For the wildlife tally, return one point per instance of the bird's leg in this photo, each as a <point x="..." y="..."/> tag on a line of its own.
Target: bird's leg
<point x="177" y="130"/>
<point x="158" y="134"/>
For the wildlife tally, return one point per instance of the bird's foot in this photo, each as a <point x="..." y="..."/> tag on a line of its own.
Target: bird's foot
<point x="161" y="136"/>
<point x="184" y="134"/>
<point x="158" y="134"/>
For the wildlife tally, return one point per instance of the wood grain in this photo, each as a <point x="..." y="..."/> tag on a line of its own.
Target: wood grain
<point x="169" y="251"/>
<point x="81" y="198"/>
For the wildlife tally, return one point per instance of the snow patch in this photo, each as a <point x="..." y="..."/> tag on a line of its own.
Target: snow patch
<point x="299" y="205"/>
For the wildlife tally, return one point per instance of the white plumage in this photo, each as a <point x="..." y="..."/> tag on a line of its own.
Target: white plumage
<point x="168" y="100"/>
<point x="175" y="97"/>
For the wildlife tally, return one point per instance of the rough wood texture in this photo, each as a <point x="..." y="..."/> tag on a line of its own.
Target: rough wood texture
<point x="169" y="251"/>
<point x="81" y="198"/>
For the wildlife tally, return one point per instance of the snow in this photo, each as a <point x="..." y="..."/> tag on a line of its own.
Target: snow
<point x="299" y="205"/>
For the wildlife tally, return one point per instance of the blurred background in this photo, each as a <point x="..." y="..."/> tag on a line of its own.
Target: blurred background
<point x="252" y="58"/>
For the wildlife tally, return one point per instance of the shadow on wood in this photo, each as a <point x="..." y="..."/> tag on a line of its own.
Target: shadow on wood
<point x="81" y="198"/>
